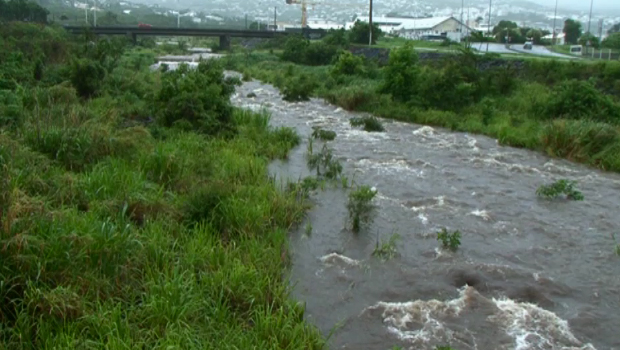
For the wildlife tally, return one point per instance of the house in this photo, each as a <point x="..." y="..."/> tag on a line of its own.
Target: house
<point x="419" y="28"/>
<point x="560" y="38"/>
<point x="323" y="24"/>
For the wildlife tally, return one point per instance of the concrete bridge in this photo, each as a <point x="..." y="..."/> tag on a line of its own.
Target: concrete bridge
<point x="223" y="34"/>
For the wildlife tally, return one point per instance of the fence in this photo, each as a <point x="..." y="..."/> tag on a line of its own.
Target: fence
<point x="600" y="54"/>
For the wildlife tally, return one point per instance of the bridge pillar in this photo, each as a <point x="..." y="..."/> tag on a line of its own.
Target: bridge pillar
<point x="224" y="42"/>
<point x="133" y="37"/>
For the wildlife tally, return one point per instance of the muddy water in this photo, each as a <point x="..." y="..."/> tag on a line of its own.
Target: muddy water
<point x="530" y="274"/>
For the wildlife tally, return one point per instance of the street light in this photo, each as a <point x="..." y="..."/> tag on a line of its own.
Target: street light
<point x="370" y="24"/>
<point x="489" y="24"/>
<point x="555" y="15"/>
<point x="590" y="18"/>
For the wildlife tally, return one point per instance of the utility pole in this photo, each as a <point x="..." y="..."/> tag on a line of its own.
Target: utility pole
<point x="275" y="17"/>
<point x="555" y="15"/>
<point x="95" y="15"/>
<point x="489" y="23"/>
<point x="590" y="18"/>
<point x="462" y="12"/>
<point x="246" y="21"/>
<point x="370" y="25"/>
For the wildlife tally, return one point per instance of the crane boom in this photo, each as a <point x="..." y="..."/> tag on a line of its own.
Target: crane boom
<point x="304" y="8"/>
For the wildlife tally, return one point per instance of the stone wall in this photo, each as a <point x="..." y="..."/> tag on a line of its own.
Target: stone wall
<point x="381" y="55"/>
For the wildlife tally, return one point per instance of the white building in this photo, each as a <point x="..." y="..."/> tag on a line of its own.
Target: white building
<point x="323" y="24"/>
<point x="418" y="28"/>
<point x="560" y="38"/>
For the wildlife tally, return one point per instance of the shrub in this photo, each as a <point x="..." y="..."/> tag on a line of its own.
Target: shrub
<point x="558" y="188"/>
<point x="360" y="207"/>
<point x="319" y="54"/>
<point x="348" y="64"/>
<point x="337" y="37"/>
<point x="386" y="250"/>
<point x="325" y="135"/>
<point x="298" y="88"/>
<point x="86" y="76"/>
<point x="449" y="240"/>
<point x="401" y="75"/>
<point x="369" y="123"/>
<point x="295" y="49"/>
<point x="580" y="99"/>
<point x="359" y="33"/>
<point x="198" y="98"/>
<point x="11" y="109"/>
<point x="324" y="162"/>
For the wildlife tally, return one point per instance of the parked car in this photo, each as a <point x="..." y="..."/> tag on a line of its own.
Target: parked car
<point x="527" y="45"/>
<point x="144" y="25"/>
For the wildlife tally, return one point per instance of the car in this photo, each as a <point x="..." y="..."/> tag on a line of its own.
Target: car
<point x="528" y="45"/>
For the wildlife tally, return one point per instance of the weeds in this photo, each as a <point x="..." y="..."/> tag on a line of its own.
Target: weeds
<point x="325" y="135"/>
<point x="324" y="162"/>
<point x="449" y="240"/>
<point x="360" y="207"/>
<point x="386" y="250"/>
<point x="368" y="123"/>
<point x="558" y="188"/>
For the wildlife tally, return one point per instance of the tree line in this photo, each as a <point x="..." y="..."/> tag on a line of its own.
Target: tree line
<point x="22" y="10"/>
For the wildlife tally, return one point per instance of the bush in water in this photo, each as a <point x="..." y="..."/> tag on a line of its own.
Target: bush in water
<point x="360" y="207"/>
<point x="449" y="240"/>
<point x="325" y="135"/>
<point x="386" y="250"/>
<point x="324" y="162"/>
<point x="558" y="188"/>
<point x="369" y="123"/>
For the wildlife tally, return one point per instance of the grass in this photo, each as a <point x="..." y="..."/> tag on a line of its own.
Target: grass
<point x="449" y="240"/>
<point x="118" y="232"/>
<point x="368" y="123"/>
<point x="323" y="162"/>
<point x="360" y="207"/>
<point x="386" y="250"/>
<point x="324" y="135"/>
<point x="559" y="188"/>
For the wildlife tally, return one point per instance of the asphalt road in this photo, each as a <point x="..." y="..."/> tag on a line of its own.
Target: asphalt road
<point x="540" y="51"/>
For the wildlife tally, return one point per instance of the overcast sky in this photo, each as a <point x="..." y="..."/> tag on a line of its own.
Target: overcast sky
<point x="582" y="4"/>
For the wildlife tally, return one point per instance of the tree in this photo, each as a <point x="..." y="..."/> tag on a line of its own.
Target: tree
<point x="572" y="30"/>
<point x="587" y="39"/>
<point x="612" y="41"/>
<point x="503" y="25"/>
<point x="614" y="29"/>
<point x="479" y="20"/>
<point x="360" y="31"/>
<point x="258" y="26"/>
<point x="536" y="36"/>
<point x="22" y="10"/>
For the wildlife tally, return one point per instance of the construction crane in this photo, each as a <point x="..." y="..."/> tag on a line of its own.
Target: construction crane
<point x="304" y="8"/>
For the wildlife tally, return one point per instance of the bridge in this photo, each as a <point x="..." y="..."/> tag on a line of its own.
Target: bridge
<point x="223" y="34"/>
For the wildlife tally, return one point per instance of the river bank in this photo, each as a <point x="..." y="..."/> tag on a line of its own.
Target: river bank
<point x="560" y="118"/>
<point x="136" y="209"/>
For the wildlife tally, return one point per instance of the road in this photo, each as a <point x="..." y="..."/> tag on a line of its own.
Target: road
<point x="540" y="50"/>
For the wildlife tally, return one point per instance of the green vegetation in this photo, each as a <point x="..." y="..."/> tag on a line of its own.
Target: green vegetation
<point x="360" y="207"/>
<point x="323" y="162"/>
<point x="386" y="250"/>
<point x="449" y="240"/>
<point x="564" y="109"/>
<point x="368" y="123"/>
<point x="136" y="210"/>
<point x="325" y="135"/>
<point x="558" y="188"/>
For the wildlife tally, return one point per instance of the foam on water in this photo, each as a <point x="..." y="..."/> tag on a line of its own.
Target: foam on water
<point x="426" y="323"/>
<point x="338" y="259"/>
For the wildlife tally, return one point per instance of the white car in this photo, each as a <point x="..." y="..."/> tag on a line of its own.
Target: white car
<point x="527" y="45"/>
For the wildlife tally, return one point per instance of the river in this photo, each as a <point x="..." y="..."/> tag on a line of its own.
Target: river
<point x="530" y="273"/>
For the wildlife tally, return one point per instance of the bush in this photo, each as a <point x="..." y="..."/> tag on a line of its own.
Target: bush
<point x="301" y="51"/>
<point x="197" y="98"/>
<point x="401" y="75"/>
<point x="359" y="33"/>
<point x="348" y="64"/>
<point x="86" y="76"/>
<point x="558" y="188"/>
<point x="369" y="123"/>
<point x="298" y="88"/>
<point x="579" y="99"/>
<point x="360" y="207"/>
<point x="295" y="49"/>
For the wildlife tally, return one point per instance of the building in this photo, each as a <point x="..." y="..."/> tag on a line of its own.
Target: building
<point x="420" y="28"/>
<point x="560" y="38"/>
<point x="323" y="24"/>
